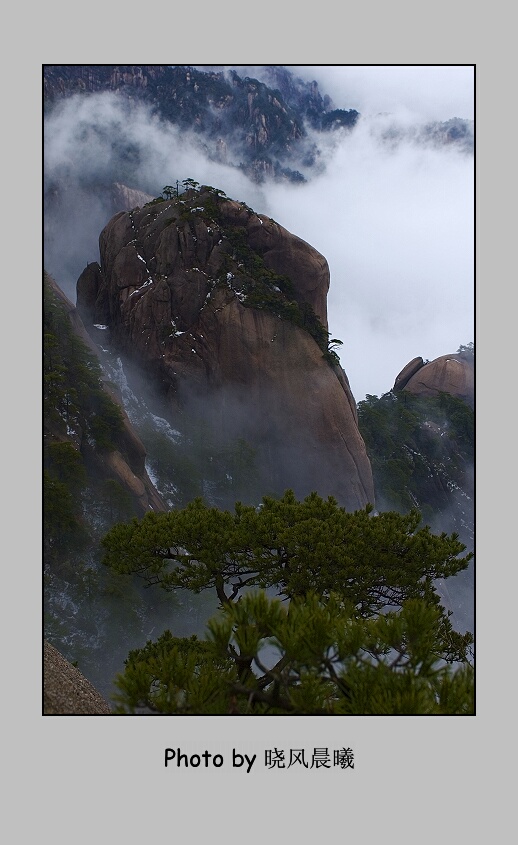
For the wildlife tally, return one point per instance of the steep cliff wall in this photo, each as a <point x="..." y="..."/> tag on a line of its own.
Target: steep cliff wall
<point x="226" y="310"/>
<point x="258" y="127"/>
<point x="126" y="462"/>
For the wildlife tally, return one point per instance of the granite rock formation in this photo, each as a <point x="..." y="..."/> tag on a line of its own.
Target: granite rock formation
<point x="258" y="127"/>
<point x="226" y="309"/>
<point x="453" y="374"/>
<point x="66" y="692"/>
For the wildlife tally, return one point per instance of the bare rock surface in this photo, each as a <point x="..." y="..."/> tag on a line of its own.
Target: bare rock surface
<point x="66" y="691"/>
<point x="453" y="374"/>
<point x="190" y="289"/>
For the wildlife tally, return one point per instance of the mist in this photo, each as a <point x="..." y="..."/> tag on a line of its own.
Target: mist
<point x="396" y="227"/>
<point x="418" y="93"/>
<point x="392" y="214"/>
<point x="91" y="142"/>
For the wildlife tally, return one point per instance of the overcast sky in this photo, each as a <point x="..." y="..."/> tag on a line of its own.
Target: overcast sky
<point x="423" y="92"/>
<point x="395" y="223"/>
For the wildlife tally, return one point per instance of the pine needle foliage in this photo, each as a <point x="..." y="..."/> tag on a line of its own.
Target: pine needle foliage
<point x="375" y="561"/>
<point x="326" y="661"/>
<point x="357" y="623"/>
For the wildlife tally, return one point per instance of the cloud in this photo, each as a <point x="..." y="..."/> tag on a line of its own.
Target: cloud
<point x="90" y="142"/>
<point x="396" y="226"/>
<point x="395" y="222"/>
<point x="412" y="92"/>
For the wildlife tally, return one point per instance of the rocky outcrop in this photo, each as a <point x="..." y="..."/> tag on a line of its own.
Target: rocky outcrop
<point x="453" y="374"/>
<point x="64" y="80"/>
<point x="237" y="119"/>
<point x="124" y="197"/>
<point x="242" y="115"/>
<point x="126" y="464"/>
<point x="226" y="310"/>
<point x="66" y="692"/>
<point x="407" y="372"/>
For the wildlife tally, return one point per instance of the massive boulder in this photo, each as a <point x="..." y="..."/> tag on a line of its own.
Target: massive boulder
<point x="226" y="310"/>
<point x="453" y="374"/>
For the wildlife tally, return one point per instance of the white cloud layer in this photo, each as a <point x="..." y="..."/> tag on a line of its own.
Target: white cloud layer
<point x="416" y="92"/>
<point x="395" y="223"/>
<point x="397" y="229"/>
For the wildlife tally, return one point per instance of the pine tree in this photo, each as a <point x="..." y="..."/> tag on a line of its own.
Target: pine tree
<point x="375" y="561"/>
<point x="327" y="662"/>
<point x="356" y="596"/>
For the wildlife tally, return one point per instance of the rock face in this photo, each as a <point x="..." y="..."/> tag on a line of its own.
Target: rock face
<point x="453" y="374"/>
<point x="127" y="463"/>
<point x="260" y="128"/>
<point x="124" y="197"/>
<point x="226" y="310"/>
<point x="66" y="691"/>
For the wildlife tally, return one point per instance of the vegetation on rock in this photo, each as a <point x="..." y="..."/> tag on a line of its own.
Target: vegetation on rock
<point x="75" y="401"/>
<point x="80" y="418"/>
<point x="81" y="499"/>
<point x="420" y="448"/>
<point x="195" y="463"/>
<point x="243" y="269"/>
